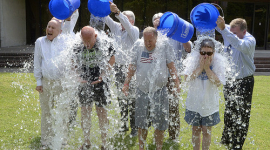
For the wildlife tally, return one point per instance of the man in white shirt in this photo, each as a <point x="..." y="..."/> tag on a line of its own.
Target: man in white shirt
<point x="239" y="46"/>
<point x="48" y="72"/>
<point x="126" y="34"/>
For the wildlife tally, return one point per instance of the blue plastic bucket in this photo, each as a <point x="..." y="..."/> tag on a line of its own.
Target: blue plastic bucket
<point x="204" y="16"/>
<point x="99" y="8"/>
<point x="62" y="9"/>
<point x="176" y="27"/>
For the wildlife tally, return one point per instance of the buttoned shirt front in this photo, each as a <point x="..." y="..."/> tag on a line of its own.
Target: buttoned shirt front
<point x="240" y="53"/>
<point x="49" y="58"/>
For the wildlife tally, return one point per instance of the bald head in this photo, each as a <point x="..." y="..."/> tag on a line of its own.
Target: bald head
<point x="53" y="29"/>
<point x="88" y="36"/>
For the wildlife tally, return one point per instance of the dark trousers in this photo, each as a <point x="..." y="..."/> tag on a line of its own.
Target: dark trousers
<point x="174" y="117"/>
<point x="238" y="96"/>
<point x="127" y="105"/>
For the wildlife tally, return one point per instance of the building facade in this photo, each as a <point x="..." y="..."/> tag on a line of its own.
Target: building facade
<point x="23" y="21"/>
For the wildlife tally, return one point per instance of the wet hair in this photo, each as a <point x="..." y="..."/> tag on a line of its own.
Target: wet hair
<point x="130" y="14"/>
<point x="150" y="30"/>
<point x="158" y="15"/>
<point x="208" y="43"/>
<point x="239" y="22"/>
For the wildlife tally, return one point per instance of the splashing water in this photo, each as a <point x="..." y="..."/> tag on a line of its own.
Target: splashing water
<point x="73" y="135"/>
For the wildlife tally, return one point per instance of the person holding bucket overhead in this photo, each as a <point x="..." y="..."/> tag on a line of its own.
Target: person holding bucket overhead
<point x="239" y="46"/>
<point x="126" y="34"/>
<point x="179" y="50"/>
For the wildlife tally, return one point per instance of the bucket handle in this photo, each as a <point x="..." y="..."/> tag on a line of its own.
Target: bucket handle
<point x="219" y="7"/>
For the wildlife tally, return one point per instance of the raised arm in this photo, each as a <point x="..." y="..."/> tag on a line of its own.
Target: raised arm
<point x="132" y="30"/>
<point x="246" y="45"/>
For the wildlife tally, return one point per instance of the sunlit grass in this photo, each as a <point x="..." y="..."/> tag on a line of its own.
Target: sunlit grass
<point x="20" y="119"/>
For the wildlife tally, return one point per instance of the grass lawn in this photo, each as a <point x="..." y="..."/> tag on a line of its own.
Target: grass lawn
<point x="20" y="120"/>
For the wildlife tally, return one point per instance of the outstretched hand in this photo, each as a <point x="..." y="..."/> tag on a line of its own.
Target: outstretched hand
<point x="113" y="7"/>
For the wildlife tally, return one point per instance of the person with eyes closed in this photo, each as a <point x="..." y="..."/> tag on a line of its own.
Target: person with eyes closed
<point x="204" y="73"/>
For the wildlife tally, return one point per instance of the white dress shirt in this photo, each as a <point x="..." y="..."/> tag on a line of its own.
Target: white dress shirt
<point x="126" y="37"/>
<point x="68" y="26"/>
<point x="49" y="58"/>
<point x="241" y="51"/>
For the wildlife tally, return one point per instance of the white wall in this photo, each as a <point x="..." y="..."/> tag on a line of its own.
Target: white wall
<point x="13" y="22"/>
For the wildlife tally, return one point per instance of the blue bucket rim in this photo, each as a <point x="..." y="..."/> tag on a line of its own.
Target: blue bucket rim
<point x="192" y="11"/>
<point x="175" y="23"/>
<point x="71" y="7"/>
<point x="98" y="14"/>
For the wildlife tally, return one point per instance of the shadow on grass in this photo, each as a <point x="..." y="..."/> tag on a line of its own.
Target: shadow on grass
<point x="35" y="143"/>
<point x="123" y="141"/>
<point x="171" y="145"/>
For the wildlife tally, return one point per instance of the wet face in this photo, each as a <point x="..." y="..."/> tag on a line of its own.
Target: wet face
<point x="206" y="51"/>
<point x="53" y="29"/>
<point x="149" y="40"/>
<point x="89" y="40"/>
<point x="236" y="30"/>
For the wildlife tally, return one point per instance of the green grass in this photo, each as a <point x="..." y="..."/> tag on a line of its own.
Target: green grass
<point x="20" y="119"/>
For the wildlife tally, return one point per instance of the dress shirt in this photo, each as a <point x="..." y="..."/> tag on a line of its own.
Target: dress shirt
<point x="49" y="58"/>
<point x="241" y="52"/>
<point x="68" y="26"/>
<point x="126" y="37"/>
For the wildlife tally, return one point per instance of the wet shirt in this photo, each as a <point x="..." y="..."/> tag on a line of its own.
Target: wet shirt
<point x="203" y="95"/>
<point x="151" y="66"/>
<point x="240" y="52"/>
<point x="91" y="61"/>
<point x="50" y="58"/>
<point x="126" y="37"/>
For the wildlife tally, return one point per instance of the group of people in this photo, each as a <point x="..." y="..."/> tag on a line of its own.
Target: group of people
<point x="147" y="73"/>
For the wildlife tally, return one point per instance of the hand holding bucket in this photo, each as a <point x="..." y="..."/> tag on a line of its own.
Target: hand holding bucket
<point x="204" y="16"/>
<point x="63" y="9"/>
<point x="99" y="8"/>
<point x="176" y="27"/>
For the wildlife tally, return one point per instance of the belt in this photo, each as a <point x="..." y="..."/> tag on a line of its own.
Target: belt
<point x="245" y="78"/>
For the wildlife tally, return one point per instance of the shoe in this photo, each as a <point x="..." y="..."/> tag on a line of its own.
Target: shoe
<point x="134" y="133"/>
<point x="85" y="147"/>
<point x="103" y="148"/>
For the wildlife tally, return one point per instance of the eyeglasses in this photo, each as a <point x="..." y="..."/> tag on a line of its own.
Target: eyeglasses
<point x="207" y="53"/>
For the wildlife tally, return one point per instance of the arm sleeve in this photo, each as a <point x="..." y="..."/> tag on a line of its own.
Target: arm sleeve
<point x="246" y="45"/>
<point x="73" y="20"/>
<point x="38" y="62"/>
<point x="132" y="31"/>
<point x="170" y="57"/>
<point x="112" y="24"/>
<point x="135" y="52"/>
